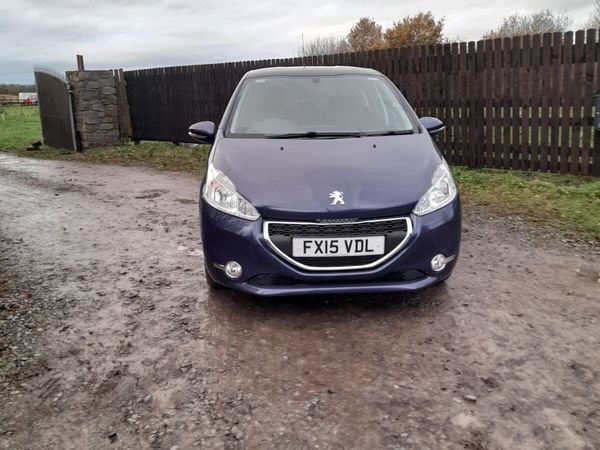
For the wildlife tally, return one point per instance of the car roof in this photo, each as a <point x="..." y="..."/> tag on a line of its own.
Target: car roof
<point x="309" y="71"/>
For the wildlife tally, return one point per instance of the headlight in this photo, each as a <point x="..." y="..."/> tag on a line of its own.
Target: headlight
<point x="220" y="193"/>
<point x="441" y="192"/>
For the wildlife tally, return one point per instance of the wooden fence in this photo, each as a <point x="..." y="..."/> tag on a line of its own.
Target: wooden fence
<point x="515" y="103"/>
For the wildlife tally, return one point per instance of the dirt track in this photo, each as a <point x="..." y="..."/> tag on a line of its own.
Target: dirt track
<point x="110" y="338"/>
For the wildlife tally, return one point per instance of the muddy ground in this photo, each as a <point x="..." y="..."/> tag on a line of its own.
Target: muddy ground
<point x="111" y="339"/>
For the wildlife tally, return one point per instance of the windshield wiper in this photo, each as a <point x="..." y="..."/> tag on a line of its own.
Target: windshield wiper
<point x="314" y="135"/>
<point x="389" y="133"/>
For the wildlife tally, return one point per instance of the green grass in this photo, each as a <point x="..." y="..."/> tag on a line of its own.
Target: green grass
<point x="157" y="155"/>
<point x="568" y="203"/>
<point x="19" y="127"/>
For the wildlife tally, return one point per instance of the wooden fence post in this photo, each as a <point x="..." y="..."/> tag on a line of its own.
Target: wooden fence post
<point x="125" y="126"/>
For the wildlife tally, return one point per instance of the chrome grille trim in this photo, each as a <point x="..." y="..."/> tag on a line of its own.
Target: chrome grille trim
<point x="385" y="257"/>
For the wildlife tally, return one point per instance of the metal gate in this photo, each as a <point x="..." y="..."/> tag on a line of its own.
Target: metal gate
<point x="56" y="109"/>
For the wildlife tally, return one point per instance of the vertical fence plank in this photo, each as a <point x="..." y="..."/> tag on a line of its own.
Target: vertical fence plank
<point x="588" y="92"/>
<point x="411" y="66"/>
<point x="567" y="92"/>
<point x="471" y="105"/>
<point x="515" y="150"/>
<point x="461" y="94"/>
<point x="394" y="56"/>
<point x="507" y="102"/>
<point x="555" y="95"/>
<point x="454" y="86"/>
<point x="525" y="112"/>
<point x="576" y="128"/>
<point x="424" y="76"/>
<point x="480" y="104"/>
<point x="497" y="102"/>
<point x="488" y="94"/>
<point x="440" y="109"/>
<point x="417" y="79"/>
<point x="546" y="93"/>
<point x="535" y="104"/>
<point x="595" y="170"/>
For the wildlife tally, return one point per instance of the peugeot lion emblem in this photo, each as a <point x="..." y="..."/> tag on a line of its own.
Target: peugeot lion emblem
<point x="338" y="198"/>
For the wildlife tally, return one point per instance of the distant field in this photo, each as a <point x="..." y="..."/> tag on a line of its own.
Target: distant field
<point x="19" y="127"/>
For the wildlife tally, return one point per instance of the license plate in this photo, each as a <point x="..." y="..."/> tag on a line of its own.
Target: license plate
<point x="350" y="246"/>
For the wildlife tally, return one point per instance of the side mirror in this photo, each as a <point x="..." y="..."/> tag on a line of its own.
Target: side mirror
<point x="203" y="132"/>
<point x="432" y="125"/>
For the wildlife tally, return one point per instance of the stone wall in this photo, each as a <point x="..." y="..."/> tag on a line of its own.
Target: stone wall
<point x="95" y="107"/>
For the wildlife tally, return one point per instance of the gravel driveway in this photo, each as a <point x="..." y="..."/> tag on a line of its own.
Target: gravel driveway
<point x="110" y="338"/>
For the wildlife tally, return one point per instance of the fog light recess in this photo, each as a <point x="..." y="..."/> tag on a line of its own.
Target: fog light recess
<point x="233" y="269"/>
<point x="439" y="262"/>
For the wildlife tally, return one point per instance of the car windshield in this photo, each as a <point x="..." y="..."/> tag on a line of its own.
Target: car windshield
<point x="314" y="106"/>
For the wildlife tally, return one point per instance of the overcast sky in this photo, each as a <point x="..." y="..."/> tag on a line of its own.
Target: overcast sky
<point x="152" y="33"/>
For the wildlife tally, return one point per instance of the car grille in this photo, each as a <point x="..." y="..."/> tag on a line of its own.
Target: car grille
<point x="279" y="280"/>
<point x="280" y="235"/>
<point x="337" y="229"/>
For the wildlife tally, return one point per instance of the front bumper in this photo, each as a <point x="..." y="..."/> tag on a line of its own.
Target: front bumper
<point x="227" y="238"/>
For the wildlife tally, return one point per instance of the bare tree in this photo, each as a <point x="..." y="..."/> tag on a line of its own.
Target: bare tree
<point x="544" y="21"/>
<point x="594" y="20"/>
<point x="324" y="45"/>
<point x="365" y="35"/>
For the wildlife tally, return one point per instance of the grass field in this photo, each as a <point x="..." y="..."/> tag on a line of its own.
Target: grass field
<point x="158" y="155"/>
<point x="19" y="127"/>
<point x="567" y="203"/>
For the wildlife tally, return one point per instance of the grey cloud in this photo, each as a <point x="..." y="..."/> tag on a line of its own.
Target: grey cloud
<point x="142" y="33"/>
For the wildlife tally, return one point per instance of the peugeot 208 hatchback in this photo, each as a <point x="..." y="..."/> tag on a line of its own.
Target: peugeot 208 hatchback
<point x="323" y="180"/>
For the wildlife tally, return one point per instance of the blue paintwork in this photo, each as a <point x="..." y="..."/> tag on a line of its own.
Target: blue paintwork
<point x="290" y="179"/>
<point x="227" y="238"/>
<point x="294" y="183"/>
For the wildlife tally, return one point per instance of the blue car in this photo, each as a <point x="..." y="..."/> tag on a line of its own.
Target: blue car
<point x="324" y="180"/>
